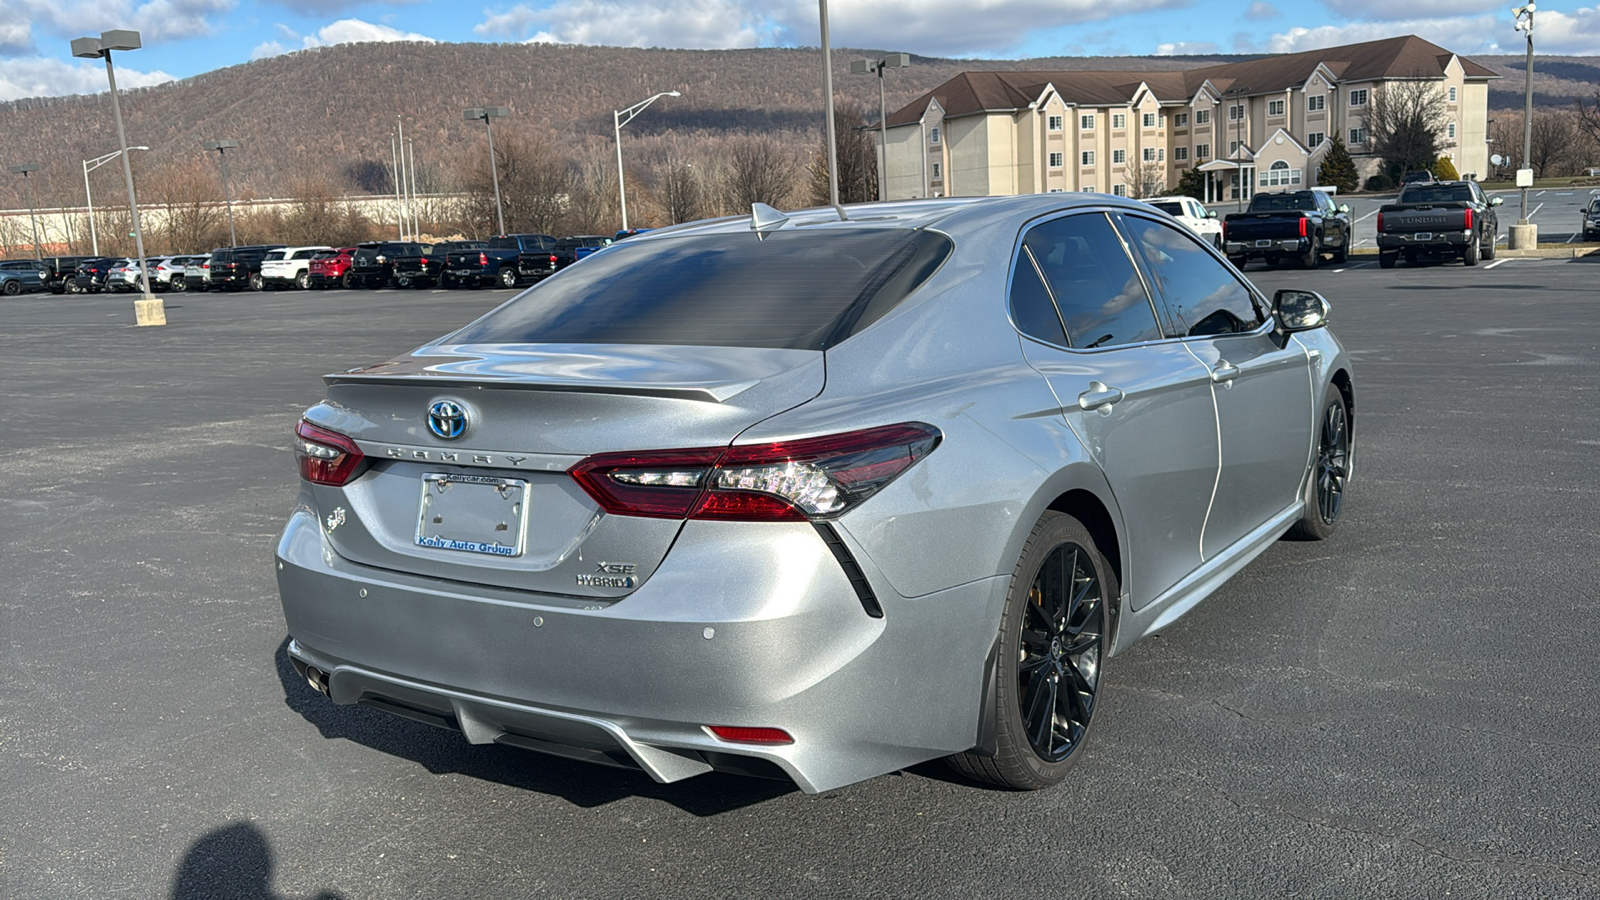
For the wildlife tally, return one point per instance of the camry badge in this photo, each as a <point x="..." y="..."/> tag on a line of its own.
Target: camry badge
<point x="447" y="419"/>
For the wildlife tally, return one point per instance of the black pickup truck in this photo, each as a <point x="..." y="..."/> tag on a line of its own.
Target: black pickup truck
<point x="428" y="267"/>
<point x="1299" y="224"/>
<point x="500" y="262"/>
<point x="1438" y="220"/>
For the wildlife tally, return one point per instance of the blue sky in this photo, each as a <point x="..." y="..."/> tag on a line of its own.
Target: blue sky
<point x="187" y="37"/>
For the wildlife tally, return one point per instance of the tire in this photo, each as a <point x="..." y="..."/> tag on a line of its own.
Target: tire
<point x="1488" y="252"/>
<point x="1469" y="255"/>
<point x="507" y="277"/>
<point x="12" y="288"/>
<point x="1342" y="255"/>
<point x="1239" y="262"/>
<point x="1313" y="254"/>
<point x="349" y="280"/>
<point x="402" y="281"/>
<point x="1053" y="633"/>
<point x="257" y="283"/>
<point x="1271" y="259"/>
<point x="1387" y="260"/>
<point x="177" y="286"/>
<point x="1330" y="472"/>
<point x="302" y="281"/>
<point x="446" y="282"/>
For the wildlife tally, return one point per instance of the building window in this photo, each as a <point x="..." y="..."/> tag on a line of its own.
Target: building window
<point x="938" y="171"/>
<point x="1280" y="175"/>
<point x="1089" y="188"/>
<point x="1087" y="157"/>
<point x="1119" y="121"/>
<point x="1121" y="190"/>
<point x="1274" y="107"/>
<point x="1149" y="120"/>
<point x="1315" y="139"/>
<point x="1086" y="122"/>
<point x="1235" y="112"/>
<point x="1180" y="120"/>
<point x="1450" y="131"/>
<point x="1149" y="154"/>
<point x="1055" y="123"/>
<point x="1358" y="135"/>
<point x="1316" y="103"/>
<point x="1358" y="98"/>
<point x="1056" y="160"/>
<point x="933" y="135"/>
<point x="1119" y="156"/>
<point x="1452" y="95"/>
<point x="1201" y="151"/>
<point x="1233" y="148"/>
<point x="1202" y="117"/>
<point x="1180" y="153"/>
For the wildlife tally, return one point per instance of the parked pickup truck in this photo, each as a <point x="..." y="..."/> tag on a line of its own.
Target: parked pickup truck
<point x="1299" y="224"/>
<point x="427" y="267"/>
<point x="498" y="263"/>
<point x="1438" y="220"/>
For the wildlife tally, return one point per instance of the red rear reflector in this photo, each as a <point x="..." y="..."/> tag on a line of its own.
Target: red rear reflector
<point x="326" y="457"/>
<point x="741" y="735"/>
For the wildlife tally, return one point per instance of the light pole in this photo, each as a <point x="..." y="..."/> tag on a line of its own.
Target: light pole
<point x="619" y="118"/>
<point x="1234" y="105"/>
<point x="827" y="113"/>
<point x="1524" y="234"/>
<point x="147" y="310"/>
<point x="222" y="147"/>
<point x="89" y="165"/>
<point x="868" y="67"/>
<point x="487" y="113"/>
<point x="23" y="170"/>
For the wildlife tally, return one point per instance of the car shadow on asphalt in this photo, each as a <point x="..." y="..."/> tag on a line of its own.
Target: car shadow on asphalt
<point x="443" y="752"/>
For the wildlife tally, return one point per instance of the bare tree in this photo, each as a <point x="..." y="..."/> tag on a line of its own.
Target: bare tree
<point x="857" y="150"/>
<point x="1149" y="179"/>
<point x="759" y="171"/>
<point x="1406" y="123"/>
<point x="534" y="185"/>
<point x="192" y="215"/>
<point x="681" y="194"/>
<point x="593" y="204"/>
<point x="1555" y="146"/>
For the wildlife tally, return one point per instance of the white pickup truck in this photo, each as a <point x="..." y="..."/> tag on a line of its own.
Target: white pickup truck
<point x="288" y="266"/>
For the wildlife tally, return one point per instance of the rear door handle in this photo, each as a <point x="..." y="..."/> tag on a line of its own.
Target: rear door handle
<point x="1224" y="372"/>
<point x="1098" y="395"/>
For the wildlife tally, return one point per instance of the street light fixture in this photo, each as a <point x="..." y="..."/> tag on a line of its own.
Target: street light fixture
<point x="487" y="113"/>
<point x="619" y="118"/>
<point x="23" y="170"/>
<point x="868" y="67"/>
<point x="1525" y="235"/>
<point x="222" y="147"/>
<point x="148" y="310"/>
<point x="89" y="165"/>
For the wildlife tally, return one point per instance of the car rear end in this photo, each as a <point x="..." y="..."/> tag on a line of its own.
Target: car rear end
<point x="471" y="267"/>
<point x="91" y="275"/>
<point x="1430" y="229"/>
<point x="227" y="270"/>
<point x="598" y="523"/>
<point x="1268" y="234"/>
<point x="327" y="269"/>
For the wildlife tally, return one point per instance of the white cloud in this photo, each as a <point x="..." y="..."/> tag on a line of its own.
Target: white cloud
<point x="40" y="77"/>
<point x="1260" y="12"/>
<point x="697" y="24"/>
<point x="155" y="20"/>
<point x="1389" y="11"/>
<point x="1466" y="35"/>
<point x="356" y="31"/>
<point x="1187" y="48"/>
<point x="1577" y="34"/>
<point x="320" y="8"/>
<point x="268" y="48"/>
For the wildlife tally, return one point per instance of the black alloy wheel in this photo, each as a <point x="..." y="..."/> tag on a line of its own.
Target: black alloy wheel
<point x="1330" y="472"/>
<point x="13" y="287"/>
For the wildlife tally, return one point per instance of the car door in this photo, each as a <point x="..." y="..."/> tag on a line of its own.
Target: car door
<point x="1260" y="381"/>
<point x="1140" y="404"/>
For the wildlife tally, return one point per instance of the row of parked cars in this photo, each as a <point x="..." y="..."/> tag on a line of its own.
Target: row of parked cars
<point x="505" y="260"/>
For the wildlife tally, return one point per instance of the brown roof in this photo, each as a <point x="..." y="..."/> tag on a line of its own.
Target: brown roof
<point x="971" y="93"/>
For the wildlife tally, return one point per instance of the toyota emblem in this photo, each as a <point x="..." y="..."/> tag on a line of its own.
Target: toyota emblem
<point x="447" y="419"/>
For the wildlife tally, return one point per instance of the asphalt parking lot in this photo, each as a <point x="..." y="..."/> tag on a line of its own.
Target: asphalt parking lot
<point x="1407" y="710"/>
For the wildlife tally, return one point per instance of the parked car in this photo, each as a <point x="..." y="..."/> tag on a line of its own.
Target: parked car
<point x="750" y="460"/>
<point x="237" y="268"/>
<point x="1191" y="213"/>
<point x="428" y="267"/>
<point x="60" y="272"/>
<point x="124" y="276"/>
<point x="372" y="265"/>
<point x="1416" y="176"/>
<point x="91" y="275"/>
<point x="1438" y="220"/>
<point x="331" y="268"/>
<point x="19" y="276"/>
<point x="197" y="273"/>
<point x="290" y="266"/>
<point x="1302" y="225"/>
<point x="1591" y="220"/>
<point x="499" y="263"/>
<point x="166" y="273"/>
<point x="627" y="233"/>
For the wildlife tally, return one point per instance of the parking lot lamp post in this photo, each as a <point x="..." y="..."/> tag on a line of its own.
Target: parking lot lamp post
<point x="488" y="113"/>
<point x="1237" y="94"/>
<point x="28" y="189"/>
<point x="151" y="312"/>
<point x="1525" y="235"/>
<point x="89" y="165"/>
<point x="868" y="67"/>
<point x="619" y="118"/>
<point x="222" y="147"/>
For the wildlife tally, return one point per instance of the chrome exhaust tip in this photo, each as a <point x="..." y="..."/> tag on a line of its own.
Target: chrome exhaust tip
<point x="318" y="680"/>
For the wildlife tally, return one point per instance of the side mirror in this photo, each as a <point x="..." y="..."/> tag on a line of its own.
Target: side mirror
<point x="1211" y="214"/>
<point x="1496" y="201"/>
<point x="1299" y="310"/>
<point x="1344" y="208"/>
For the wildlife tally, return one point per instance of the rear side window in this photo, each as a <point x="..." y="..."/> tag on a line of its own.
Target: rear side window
<point x="1171" y="209"/>
<point x="1095" y="285"/>
<point x="1203" y="295"/>
<point x="804" y="290"/>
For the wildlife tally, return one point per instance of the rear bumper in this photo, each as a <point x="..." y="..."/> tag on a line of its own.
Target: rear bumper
<point x="730" y="630"/>
<point x="1267" y="245"/>
<point x="1438" y="241"/>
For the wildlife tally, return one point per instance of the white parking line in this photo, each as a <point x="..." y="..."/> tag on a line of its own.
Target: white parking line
<point x="1366" y="217"/>
<point x="1536" y="209"/>
<point x="1496" y="263"/>
<point x="1540" y="194"/>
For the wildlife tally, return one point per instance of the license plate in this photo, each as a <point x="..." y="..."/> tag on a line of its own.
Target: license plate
<point x="473" y="514"/>
<point x="1263" y="243"/>
<point x="1422" y="236"/>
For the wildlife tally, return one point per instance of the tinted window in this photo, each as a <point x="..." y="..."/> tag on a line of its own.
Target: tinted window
<point x="800" y="290"/>
<point x="1203" y="295"/>
<point x="1171" y="209"/>
<point x="1277" y="202"/>
<point x="1437" y="193"/>
<point x="274" y="255"/>
<point x="1031" y="306"/>
<point x="1094" y="284"/>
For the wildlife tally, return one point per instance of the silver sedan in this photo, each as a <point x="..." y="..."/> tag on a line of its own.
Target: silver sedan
<point x="812" y="496"/>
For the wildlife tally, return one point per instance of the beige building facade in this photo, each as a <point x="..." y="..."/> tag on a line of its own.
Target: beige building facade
<point x="1258" y="125"/>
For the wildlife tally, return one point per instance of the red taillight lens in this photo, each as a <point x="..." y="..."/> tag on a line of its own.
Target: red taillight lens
<point x="815" y="478"/>
<point x="1469" y="220"/>
<point x="483" y="259"/>
<point x="743" y="735"/>
<point x="326" y="457"/>
<point x="552" y="259"/>
<point x="1380" y="221"/>
<point x="1302" y="225"/>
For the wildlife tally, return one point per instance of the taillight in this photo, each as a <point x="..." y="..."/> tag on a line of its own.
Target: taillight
<point x="1380" y="221"/>
<point x="552" y="260"/>
<point x="1469" y="220"/>
<point x="326" y="457"/>
<point x="815" y="478"/>
<point x="1302" y="224"/>
<point x="483" y="259"/>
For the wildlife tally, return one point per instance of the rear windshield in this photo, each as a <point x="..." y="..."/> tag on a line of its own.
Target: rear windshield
<point x="794" y="289"/>
<point x="1171" y="209"/>
<point x="1274" y="202"/>
<point x="1437" y="193"/>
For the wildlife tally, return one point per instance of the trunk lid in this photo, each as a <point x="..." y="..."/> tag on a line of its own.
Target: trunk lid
<point x="532" y="411"/>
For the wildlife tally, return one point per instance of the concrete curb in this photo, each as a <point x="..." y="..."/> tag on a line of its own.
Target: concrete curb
<point x="1540" y="253"/>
